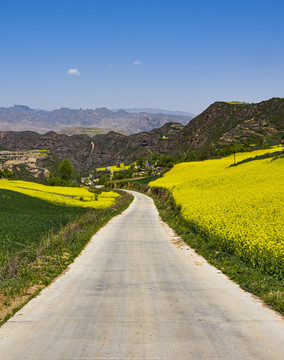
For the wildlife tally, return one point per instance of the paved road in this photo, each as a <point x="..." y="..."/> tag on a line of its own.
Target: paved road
<point x="137" y="293"/>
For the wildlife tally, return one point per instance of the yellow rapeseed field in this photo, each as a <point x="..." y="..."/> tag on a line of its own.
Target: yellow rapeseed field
<point x="240" y="208"/>
<point x="115" y="168"/>
<point x="70" y="196"/>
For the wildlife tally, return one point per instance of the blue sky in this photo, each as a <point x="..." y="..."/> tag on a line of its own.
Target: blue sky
<point x="172" y="54"/>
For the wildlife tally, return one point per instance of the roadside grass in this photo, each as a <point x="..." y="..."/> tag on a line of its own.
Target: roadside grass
<point x="269" y="288"/>
<point x="28" y="268"/>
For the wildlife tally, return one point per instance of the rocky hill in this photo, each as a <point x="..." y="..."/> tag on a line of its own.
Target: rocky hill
<point x="84" y="130"/>
<point x="85" y="152"/>
<point x="231" y="122"/>
<point x="22" y="118"/>
<point x="221" y="123"/>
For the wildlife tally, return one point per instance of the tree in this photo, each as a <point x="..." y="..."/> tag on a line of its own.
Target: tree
<point x="103" y="180"/>
<point x="66" y="170"/>
<point x="141" y="161"/>
<point x="63" y="175"/>
<point x="6" y="174"/>
<point x="165" y="161"/>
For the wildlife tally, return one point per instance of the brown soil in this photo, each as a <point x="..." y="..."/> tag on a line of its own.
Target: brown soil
<point x="9" y="304"/>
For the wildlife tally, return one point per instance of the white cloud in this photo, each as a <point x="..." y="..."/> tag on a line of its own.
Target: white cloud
<point x="73" y="72"/>
<point x="136" y="62"/>
<point x="110" y="66"/>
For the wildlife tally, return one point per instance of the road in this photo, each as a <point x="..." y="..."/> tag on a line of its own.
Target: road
<point x="137" y="292"/>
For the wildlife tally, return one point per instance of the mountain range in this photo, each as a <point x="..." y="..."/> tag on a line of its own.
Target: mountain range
<point x="22" y="118"/>
<point x="156" y="111"/>
<point x="220" y="124"/>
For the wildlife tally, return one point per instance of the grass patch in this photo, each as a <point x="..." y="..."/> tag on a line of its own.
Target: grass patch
<point x="35" y="264"/>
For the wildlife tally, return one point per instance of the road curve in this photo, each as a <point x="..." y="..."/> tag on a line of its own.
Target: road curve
<point x="136" y="292"/>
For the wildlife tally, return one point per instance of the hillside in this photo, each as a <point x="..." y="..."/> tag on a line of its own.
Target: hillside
<point x="85" y="152"/>
<point x="23" y="118"/>
<point x="225" y="122"/>
<point x="222" y="123"/>
<point x="90" y="131"/>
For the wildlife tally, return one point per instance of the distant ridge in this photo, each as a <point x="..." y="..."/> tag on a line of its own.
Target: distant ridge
<point x="156" y="111"/>
<point x="23" y="118"/>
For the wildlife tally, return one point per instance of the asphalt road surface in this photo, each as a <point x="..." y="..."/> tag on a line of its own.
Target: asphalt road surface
<point x="137" y="292"/>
